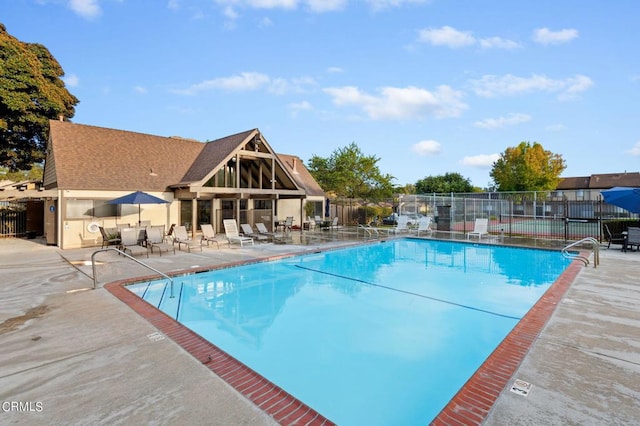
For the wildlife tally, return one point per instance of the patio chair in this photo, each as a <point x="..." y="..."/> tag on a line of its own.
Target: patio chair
<point x="334" y="223"/>
<point x="632" y="239"/>
<point x="247" y="231"/>
<point x="611" y="239"/>
<point x="480" y="228"/>
<point x="129" y="242"/>
<point x="232" y="234"/>
<point x="424" y="225"/>
<point x="181" y="238"/>
<point x="208" y="234"/>
<point x="155" y="240"/>
<point x="108" y="240"/>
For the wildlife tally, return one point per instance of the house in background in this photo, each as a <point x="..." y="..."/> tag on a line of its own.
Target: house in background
<point x="584" y="188"/>
<point x="238" y="176"/>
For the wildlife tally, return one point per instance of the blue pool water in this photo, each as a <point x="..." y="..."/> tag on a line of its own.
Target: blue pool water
<point x="380" y="334"/>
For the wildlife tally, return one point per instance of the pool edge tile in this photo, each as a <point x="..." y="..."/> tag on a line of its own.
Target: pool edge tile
<point x="496" y="372"/>
<point x="270" y="398"/>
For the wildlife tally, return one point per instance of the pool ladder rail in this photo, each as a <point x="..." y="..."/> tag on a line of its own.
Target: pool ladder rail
<point x="595" y="245"/>
<point x="93" y="266"/>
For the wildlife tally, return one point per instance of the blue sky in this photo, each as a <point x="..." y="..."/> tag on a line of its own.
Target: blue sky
<point x="428" y="86"/>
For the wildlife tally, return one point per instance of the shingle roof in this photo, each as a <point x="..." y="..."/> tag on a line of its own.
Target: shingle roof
<point x="600" y="181"/>
<point x="90" y="157"/>
<point x="300" y="173"/>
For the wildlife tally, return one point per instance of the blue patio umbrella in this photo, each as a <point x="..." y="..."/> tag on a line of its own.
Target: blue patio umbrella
<point x="138" y="198"/>
<point x="626" y="197"/>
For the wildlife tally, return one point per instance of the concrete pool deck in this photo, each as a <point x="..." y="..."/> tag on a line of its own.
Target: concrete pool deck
<point x="73" y="355"/>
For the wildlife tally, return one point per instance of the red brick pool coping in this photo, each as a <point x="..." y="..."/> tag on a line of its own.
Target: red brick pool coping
<point x="469" y="406"/>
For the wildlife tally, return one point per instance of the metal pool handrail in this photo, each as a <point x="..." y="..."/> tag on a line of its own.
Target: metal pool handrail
<point x="596" y="251"/>
<point x="93" y="266"/>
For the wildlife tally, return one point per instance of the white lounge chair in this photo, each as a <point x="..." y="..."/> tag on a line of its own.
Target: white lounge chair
<point x="262" y="230"/>
<point x="208" y="234"/>
<point x="247" y="231"/>
<point x="424" y="225"/>
<point x="401" y="226"/>
<point x="232" y="234"/>
<point x="480" y="228"/>
<point x="181" y="238"/>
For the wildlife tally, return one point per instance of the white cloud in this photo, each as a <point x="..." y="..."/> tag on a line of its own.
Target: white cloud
<point x="385" y="4"/>
<point x="265" y="23"/>
<point x="399" y="103"/>
<point x="482" y="161"/>
<point x="335" y="70"/>
<point x="498" y="43"/>
<point x="635" y="150"/>
<point x="140" y="89"/>
<point x="304" y="105"/>
<point x="249" y="81"/>
<point x="497" y="123"/>
<point x="575" y="86"/>
<point x="86" y="8"/>
<point x="245" y="81"/>
<point x="556" y="127"/>
<point x="453" y="38"/>
<point x="315" y="6"/>
<point x="546" y="36"/>
<point x="326" y="5"/>
<point x="490" y="86"/>
<point x="426" y="148"/>
<point x="71" y="80"/>
<point x="446" y="36"/>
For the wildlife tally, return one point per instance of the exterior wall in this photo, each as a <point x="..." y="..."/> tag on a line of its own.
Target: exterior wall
<point x="295" y="208"/>
<point x="75" y="230"/>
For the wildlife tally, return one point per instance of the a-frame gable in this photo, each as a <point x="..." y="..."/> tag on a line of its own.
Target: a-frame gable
<point x="241" y="162"/>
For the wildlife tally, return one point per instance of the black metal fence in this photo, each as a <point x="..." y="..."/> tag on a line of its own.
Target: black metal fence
<point x="557" y="215"/>
<point x="13" y="219"/>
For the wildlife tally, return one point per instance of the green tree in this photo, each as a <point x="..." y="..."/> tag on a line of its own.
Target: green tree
<point x="527" y="167"/>
<point x="449" y="182"/>
<point x="351" y="174"/>
<point x="31" y="93"/>
<point x="34" y="174"/>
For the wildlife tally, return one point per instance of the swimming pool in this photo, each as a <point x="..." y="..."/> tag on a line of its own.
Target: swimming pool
<point x="384" y="333"/>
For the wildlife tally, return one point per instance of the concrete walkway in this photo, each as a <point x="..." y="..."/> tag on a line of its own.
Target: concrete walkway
<point x="73" y="355"/>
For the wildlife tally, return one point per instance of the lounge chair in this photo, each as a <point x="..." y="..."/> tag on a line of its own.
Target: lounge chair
<point x="247" y="231"/>
<point x="401" y="226"/>
<point x="480" y="228"/>
<point x="334" y="223"/>
<point x="262" y="230"/>
<point x="424" y="225"/>
<point x="155" y="240"/>
<point x="129" y="243"/>
<point x="232" y="234"/>
<point x="107" y="239"/>
<point x="613" y="239"/>
<point x="208" y="234"/>
<point x="181" y="238"/>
